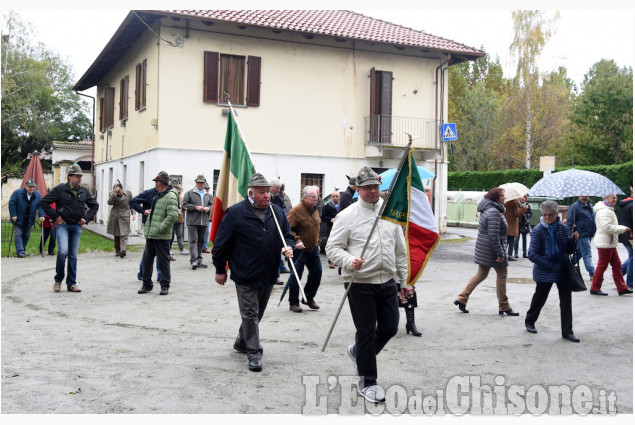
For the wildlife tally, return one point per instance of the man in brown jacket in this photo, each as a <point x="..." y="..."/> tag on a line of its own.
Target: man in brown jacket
<point x="513" y="211"/>
<point x="304" y="220"/>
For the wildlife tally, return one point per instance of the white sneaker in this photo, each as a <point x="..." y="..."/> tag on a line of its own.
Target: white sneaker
<point x="171" y="252"/>
<point x="351" y="354"/>
<point x="184" y="252"/>
<point x="373" y="393"/>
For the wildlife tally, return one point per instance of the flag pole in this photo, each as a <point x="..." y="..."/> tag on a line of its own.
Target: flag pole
<point x="379" y="214"/>
<point x="275" y="219"/>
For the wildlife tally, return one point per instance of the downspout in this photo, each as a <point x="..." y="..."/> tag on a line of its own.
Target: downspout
<point x="92" y="153"/>
<point x="437" y="142"/>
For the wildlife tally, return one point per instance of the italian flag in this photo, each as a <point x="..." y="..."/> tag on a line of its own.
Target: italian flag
<point x="408" y="206"/>
<point x="235" y="172"/>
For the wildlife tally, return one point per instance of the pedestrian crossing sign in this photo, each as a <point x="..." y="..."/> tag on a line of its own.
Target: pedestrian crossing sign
<point x="448" y="131"/>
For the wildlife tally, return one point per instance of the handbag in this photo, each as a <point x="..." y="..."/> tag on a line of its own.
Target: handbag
<point x="574" y="277"/>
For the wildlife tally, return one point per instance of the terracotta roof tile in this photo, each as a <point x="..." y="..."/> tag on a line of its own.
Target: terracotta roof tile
<point x="336" y="23"/>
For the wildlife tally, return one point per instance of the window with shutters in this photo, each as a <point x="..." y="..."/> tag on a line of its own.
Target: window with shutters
<point x="380" y="106"/>
<point x="107" y="109"/>
<point x="140" y="85"/>
<point x="123" y="97"/>
<point x="230" y="75"/>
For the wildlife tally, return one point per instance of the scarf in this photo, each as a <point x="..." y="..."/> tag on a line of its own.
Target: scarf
<point x="553" y="247"/>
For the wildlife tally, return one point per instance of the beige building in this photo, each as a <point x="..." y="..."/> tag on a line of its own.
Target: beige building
<point x="318" y="94"/>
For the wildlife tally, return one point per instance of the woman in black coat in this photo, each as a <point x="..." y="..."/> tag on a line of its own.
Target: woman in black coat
<point x="550" y="245"/>
<point x="491" y="251"/>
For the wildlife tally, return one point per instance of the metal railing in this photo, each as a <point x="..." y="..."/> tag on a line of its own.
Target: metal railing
<point x="390" y="130"/>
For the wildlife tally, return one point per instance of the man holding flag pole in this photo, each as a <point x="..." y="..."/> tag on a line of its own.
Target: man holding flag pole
<point x="368" y="268"/>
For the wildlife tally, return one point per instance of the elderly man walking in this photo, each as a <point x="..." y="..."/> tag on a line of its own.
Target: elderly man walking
<point x="304" y="220"/>
<point x="158" y="233"/>
<point x="75" y="207"/>
<point x="373" y="297"/>
<point x="197" y="203"/>
<point x="328" y="216"/>
<point x="23" y="205"/>
<point x="248" y="239"/>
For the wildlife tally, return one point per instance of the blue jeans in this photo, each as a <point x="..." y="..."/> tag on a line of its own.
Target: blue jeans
<point x="310" y="259"/>
<point x="68" y="236"/>
<point x="209" y="226"/>
<point x="584" y="252"/>
<point x="21" y="238"/>
<point x="627" y="266"/>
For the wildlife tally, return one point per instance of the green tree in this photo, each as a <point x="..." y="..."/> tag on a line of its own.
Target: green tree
<point x="603" y="116"/>
<point x="532" y="30"/>
<point x="38" y="104"/>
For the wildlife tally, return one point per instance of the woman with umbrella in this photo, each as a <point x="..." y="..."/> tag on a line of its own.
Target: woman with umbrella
<point x="549" y="250"/>
<point x="490" y="251"/>
<point x="606" y="243"/>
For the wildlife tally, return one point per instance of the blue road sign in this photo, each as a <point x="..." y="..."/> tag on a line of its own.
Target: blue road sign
<point x="448" y="131"/>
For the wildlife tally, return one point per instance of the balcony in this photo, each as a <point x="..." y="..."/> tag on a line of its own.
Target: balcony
<point x="388" y="131"/>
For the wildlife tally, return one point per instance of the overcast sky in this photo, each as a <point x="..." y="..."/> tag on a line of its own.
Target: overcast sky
<point x="584" y="35"/>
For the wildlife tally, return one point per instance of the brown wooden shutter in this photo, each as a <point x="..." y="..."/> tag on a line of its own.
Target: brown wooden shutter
<point x="253" y="80"/>
<point x="109" y="106"/>
<point x="137" y="91"/>
<point x="101" y="114"/>
<point x="144" y="80"/>
<point x="374" y="110"/>
<point x="386" y="93"/>
<point x="123" y="98"/>
<point x="210" y="77"/>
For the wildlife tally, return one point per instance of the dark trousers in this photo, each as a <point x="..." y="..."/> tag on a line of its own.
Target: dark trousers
<point x="310" y="259"/>
<point x="46" y="232"/>
<point x="524" y="237"/>
<point x="160" y="249"/>
<point x="539" y="299"/>
<point x="252" y="303"/>
<point x="196" y="237"/>
<point x="375" y="311"/>
<point x="510" y="245"/>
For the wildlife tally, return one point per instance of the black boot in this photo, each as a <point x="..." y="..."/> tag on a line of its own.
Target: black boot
<point x="410" y="322"/>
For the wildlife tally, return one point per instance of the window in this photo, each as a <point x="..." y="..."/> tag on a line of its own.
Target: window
<point x="178" y="178"/>
<point x="380" y="106"/>
<point x="140" y="87"/>
<point x="226" y="74"/>
<point x="215" y="182"/>
<point x="312" y="180"/>
<point x="123" y="97"/>
<point x="107" y="109"/>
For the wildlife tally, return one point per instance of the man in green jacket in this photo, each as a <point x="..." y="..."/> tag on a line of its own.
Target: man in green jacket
<point x="158" y="233"/>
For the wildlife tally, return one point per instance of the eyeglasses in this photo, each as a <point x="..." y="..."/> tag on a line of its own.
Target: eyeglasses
<point x="550" y="215"/>
<point x="312" y="197"/>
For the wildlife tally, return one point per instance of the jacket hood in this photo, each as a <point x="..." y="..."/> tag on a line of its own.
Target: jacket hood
<point x="625" y="201"/>
<point x="488" y="203"/>
<point x="600" y="206"/>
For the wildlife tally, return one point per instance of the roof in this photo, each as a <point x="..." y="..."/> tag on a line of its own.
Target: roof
<point x="341" y="24"/>
<point x="82" y="145"/>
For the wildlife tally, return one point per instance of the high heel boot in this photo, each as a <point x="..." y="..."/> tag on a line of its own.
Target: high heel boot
<point x="410" y="322"/>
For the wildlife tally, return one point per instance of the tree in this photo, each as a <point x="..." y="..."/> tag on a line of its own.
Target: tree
<point x="38" y="104"/>
<point x="603" y="116"/>
<point x="531" y="32"/>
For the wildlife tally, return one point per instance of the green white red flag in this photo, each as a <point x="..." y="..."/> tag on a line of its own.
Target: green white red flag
<point x="233" y="181"/>
<point x="408" y="206"/>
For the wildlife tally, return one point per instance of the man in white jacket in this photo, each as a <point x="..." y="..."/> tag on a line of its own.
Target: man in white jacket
<point x="373" y="297"/>
<point x="606" y="242"/>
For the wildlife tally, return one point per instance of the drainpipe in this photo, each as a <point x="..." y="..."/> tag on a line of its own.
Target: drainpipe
<point x="92" y="153"/>
<point x="437" y="142"/>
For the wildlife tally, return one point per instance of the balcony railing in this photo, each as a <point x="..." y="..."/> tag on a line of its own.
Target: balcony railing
<point x="389" y="130"/>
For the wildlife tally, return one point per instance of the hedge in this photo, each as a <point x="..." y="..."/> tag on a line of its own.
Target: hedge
<point x="621" y="175"/>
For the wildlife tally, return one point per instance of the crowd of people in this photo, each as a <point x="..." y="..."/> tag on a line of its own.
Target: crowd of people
<point x="259" y="233"/>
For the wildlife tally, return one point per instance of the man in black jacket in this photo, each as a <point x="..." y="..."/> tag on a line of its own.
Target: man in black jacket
<point x="75" y="207"/>
<point x="249" y="241"/>
<point x="625" y="218"/>
<point x="347" y="197"/>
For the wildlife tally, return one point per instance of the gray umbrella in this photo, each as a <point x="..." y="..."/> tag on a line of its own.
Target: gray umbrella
<point x="569" y="183"/>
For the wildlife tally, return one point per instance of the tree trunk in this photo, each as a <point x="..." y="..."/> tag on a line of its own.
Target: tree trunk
<point x="528" y="135"/>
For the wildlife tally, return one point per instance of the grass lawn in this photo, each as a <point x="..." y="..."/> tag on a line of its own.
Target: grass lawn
<point x="89" y="242"/>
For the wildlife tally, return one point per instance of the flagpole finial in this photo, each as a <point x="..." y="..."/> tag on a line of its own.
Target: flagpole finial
<point x="410" y="138"/>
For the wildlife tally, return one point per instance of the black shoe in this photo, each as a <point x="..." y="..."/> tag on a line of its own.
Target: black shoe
<point x="255" y="364"/>
<point x="122" y="254"/>
<point x="194" y="266"/>
<point x="164" y="290"/>
<point x="203" y="266"/>
<point x="144" y="289"/>
<point x="240" y="349"/>
<point x="516" y="256"/>
<point x="571" y="337"/>
<point x="511" y="259"/>
<point x="525" y="256"/>
<point x="531" y="328"/>
<point x="509" y="312"/>
<point x="626" y="292"/>
<point x="461" y="306"/>
<point x="598" y="293"/>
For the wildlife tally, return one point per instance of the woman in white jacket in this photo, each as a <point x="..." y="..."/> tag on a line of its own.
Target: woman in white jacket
<point x="606" y="242"/>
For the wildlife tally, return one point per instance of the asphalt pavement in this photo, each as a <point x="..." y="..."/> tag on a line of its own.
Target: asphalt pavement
<point x="111" y="350"/>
